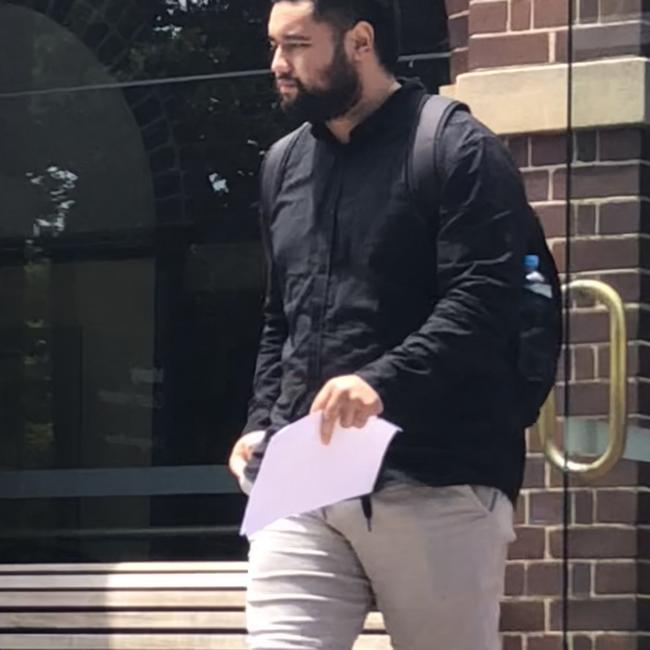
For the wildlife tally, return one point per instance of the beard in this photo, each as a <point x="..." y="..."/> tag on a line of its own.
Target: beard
<point x="341" y="92"/>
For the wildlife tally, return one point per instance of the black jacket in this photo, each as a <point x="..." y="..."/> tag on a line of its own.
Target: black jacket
<point x="423" y="307"/>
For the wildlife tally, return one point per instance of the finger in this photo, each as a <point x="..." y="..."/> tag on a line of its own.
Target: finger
<point x="327" y="427"/>
<point x="360" y="420"/>
<point x="242" y="452"/>
<point x="237" y="465"/>
<point x="331" y="415"/>
<point x="348" y="414"/>
<point x="377" y="407"/>
<point x="321" y="400"/>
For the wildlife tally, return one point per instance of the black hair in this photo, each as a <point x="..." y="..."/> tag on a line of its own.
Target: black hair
<point x="383" y="15"/>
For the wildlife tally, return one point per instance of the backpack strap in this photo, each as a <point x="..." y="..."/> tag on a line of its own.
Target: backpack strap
<point x="275" y="163"/>
<point x="433" y="115"/>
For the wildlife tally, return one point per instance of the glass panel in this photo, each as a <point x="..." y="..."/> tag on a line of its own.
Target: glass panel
<point x="132" y="278"/>
<point x="607" y="189"/>
<point x="131" y="274"/>
<point x="58" y="44"/>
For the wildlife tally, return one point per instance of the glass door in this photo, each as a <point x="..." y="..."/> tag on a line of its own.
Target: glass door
<point x="595" y="428"/>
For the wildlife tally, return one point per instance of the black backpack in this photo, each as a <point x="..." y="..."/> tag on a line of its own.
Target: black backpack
<point x="540" y="338"/>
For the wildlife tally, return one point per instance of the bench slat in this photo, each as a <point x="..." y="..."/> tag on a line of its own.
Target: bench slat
<point x="149" y="642"/>
<point x="127" y="567"/>
<point x="155" y="599"/>
<point x="124" y="581"/>
<point x="133" y="606"/>
<point x="168" y="620"/>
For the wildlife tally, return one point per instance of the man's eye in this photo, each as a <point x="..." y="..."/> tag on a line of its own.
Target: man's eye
<point x="290" y="47"/>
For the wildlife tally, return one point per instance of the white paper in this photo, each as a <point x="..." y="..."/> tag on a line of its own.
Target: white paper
<point x="300" y="474"/>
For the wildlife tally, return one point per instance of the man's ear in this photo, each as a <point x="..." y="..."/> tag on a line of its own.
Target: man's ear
<point x="363" y="39"/>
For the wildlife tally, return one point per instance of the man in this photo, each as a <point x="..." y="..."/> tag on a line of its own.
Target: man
<point x="376" y="309"/>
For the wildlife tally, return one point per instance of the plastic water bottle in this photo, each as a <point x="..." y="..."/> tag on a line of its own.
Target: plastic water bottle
<point x="535" y="281"/>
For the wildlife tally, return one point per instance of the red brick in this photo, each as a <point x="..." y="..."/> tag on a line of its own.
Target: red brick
<point x="595" y="42"/>
<point x="605" y="253"/>
<point x="619" y="217"/>
<point x="625" y="473"/>
<point x="638" y="358"/>
<point x="603" y="614"/>
<point x="586" y="146"/>
<point x="537" y="185"/>
<point x="520" y="510"/>
<point x="534" y="475"/>
<point x="622" y="9"/>
<point x="513" y="642"/>
<point x="533" y="443"/>
<point x="629" y="285"/>
<point x="644" y="543"/>
<point x="456" y="6"/>
<point x="595" y="542"/>
<point x="550" y="13"/>
<point x="521" y="13"/>
<point x="515" y="579"/>
<point x="617" y="642"/>
<point x="488" y="17"/>
<point x="529" y="544"/>
<point x="459" y="62"/>
<point x="601" y="181"/>
<point x="545" y="508"/>
<point x="549" y="149"/>
<point x="580" y="579"/>
<point x="587" y="398"/>
<point x="616" y="577"/>
<point x="643" y="578"/>
<point x="584" y="363"/>
<point x="582" y="643"/>
<point x="546" y="642"/>
<point x="644" y="497"/>
<point x="519" y="147"/>
<point x="616" y="507"/>
<point x="584" y="219"/>
<point x="553" y="218"/>
<point x="583" y="507"/>
<point x="458" y="31"/>
<point x="588" y="11"/>
<point x="590" y="327"/>
<point x="509" y="49"/>
<point x="544" y="578"/>
<point x="522" y="616"/>
<point x="621" y="144"/>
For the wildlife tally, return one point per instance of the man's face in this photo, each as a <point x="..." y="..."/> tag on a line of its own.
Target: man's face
<point x="315" y="77"/>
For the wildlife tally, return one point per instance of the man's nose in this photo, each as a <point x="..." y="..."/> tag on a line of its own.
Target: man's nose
<point x="279" y="64"/>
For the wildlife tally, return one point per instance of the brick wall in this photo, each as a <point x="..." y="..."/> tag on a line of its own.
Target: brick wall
<point x="496" y="33"/>
<point x="458" y="21"/>
<point x="610" y="179"/>
<point x="609" y="540"/>
<point x="609" y="531"/>
<point x="607" y="577"/>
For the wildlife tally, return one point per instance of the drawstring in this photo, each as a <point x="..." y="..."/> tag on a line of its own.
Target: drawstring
<point x="366" y="506"/>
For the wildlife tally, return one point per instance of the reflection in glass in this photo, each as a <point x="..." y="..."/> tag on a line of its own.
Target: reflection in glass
<point x="131" y="269"/>
<point x="57" y="45"/>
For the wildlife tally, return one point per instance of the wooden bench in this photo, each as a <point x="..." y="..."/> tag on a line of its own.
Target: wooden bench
<point x="132" y="606"/>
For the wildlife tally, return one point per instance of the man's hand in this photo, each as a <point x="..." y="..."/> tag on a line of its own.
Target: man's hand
<point x="348" y="400"/>
<point x="242" y="452"/>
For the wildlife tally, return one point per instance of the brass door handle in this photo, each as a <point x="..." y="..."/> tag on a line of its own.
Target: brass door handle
<point x="617" y="392"/>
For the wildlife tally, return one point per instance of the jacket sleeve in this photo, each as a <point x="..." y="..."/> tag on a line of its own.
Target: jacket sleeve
<point x="268" y="372"/>
<point x="479" y="270"/>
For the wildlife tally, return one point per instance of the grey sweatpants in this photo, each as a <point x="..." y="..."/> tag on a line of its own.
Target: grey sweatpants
<point x="434" y="561"/>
